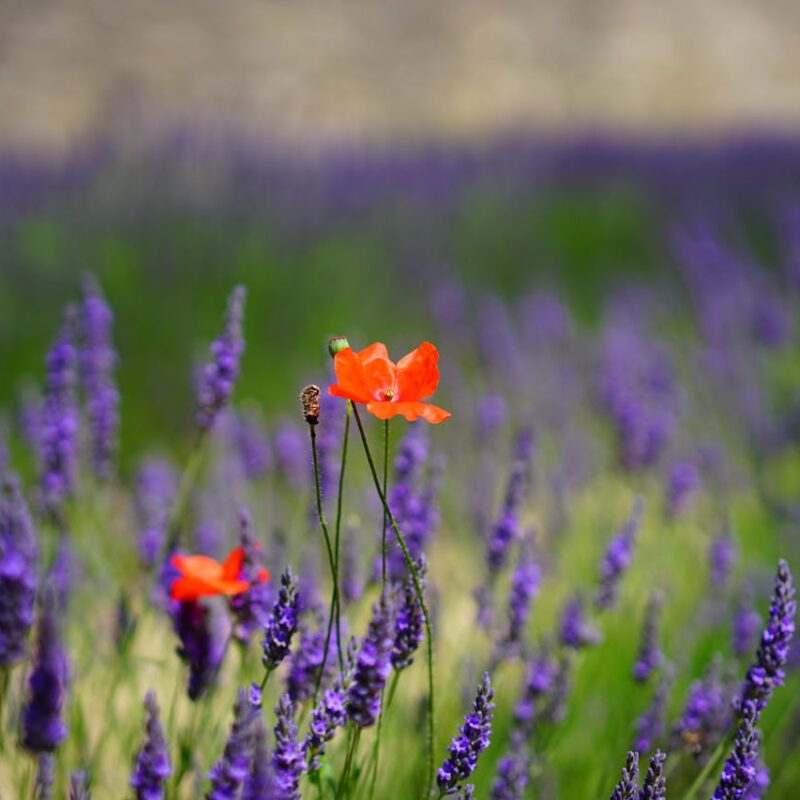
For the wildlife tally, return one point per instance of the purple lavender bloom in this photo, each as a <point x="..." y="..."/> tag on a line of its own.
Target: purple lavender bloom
<point x="512" y="773"/>
<point x="649" y="657"/>
<point x="576" y="630"/>
<point x="328" y="715"/>
<point x="153" y="766"/>
<point x="546" y="320"/>
<point x="760" y="783"/>
<point x="740" y="767"/>
<point x="217" y="378"/>
<point x="683" y="479"/>
<point x="707" y="714"/>
<point x="472" y="740"/>
<point x="18" y="553"/>
<point x="282" y="622"/>
<point x="372" y="667"/>
<point x="305" y="665"/>
<point x="251" y="609"/>
<point x="722" y="558"/>
<point x="650" y="726"/>
<point x="556" y="708"/>
<point x="539" y="681"/>
<point x="31" y="406"/>
<point x="253" y="443"/>
<point x="618" y="557"/>
<point x="746" y="625"/>
<point x="655" y="784"/>
<point x="156" y="484"/>
<point x="64" y="573"/>
<point x="525" y="583"/>
<point x="259" y="783"/>
<point x="97" y="361"/>
<point x="628" y="786"/>
<point x="59" y="428"/>
<point x="288" y="760"/>
<point x="490" y="416"/>
<point x="290" y="445"/>
<point x="409" y="622"/>
<point x="45" y="776"/>
<point x="766" y="672"/>
<point x="79" y="786"/>
<point x="203" y="643"/>
<point x="230" y="772"/>
<point x="43" y="727"/>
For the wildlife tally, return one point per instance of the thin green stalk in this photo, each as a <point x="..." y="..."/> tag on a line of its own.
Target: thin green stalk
<point x="266" y="678"/>
<point x="323" y="524"/>
<point x="385" y="483"/>
<point x="712" y="762"/>
<point x="5" y="681"/>
<point x="351" y="752"/>
<point x="188" y="479"/>
<point x="376" y="749"/>
<point x="417" y="590"/>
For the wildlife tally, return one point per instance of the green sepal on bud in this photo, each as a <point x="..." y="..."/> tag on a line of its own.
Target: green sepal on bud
<point x="336" y="344"/>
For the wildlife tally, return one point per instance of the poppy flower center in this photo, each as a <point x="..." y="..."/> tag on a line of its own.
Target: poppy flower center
<point x="388" y="394"/>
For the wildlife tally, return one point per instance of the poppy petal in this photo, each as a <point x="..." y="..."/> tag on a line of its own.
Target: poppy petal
<point x="351" y="379"/>
<point x="411" y="411"/>
<point x="418" y="373"/>
<point x="233" y="564"/>
<point x="379" y="370"/>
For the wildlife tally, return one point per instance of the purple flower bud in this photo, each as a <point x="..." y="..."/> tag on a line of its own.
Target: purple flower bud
<point x="539" y="681"/>
<point x="259" y="783"/>
<point x="746" y="625"/>
<point x="59" y="428"/>
<point x="472" y="740"/>
<point x="576" y="630"/>
<point x="156" y="484"/>
<point x="650" y="726"/>
<point x="230" y="772"/>
<point x="79" y="786"/>
<point x="43" y="727"/>
<point x="618" y="557"/>
<point x="628" y="786"/>
<point x="97" y="361"/>
<point x="740" y="767"/>
<point x="766" y="672"/>
<point x="282" y="622"/>
<point x="18" y="553"/>
<point x="512" y="773"/>
<point x="372" y="667"/>
<point x="722" y="558"/>
<point x="203" y="643"/>
<point x="251" y="609"/>
<point x="683" y="479"/>
<point x="328" y="715"/>
<point x="655" y="784"/>
<point x="649" y="657"/>
<point x="288" y="760"/>
<point x="216" y="379"/>
<point x="305" y="665"/>
<point x="409" y="623"/>
<point x="153" y="766"/>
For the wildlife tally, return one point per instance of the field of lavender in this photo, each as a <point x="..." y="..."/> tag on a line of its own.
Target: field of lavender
<point x="240" y="558"/>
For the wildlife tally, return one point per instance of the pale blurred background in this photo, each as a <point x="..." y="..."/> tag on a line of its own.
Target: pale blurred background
<point x="315" y="70"/>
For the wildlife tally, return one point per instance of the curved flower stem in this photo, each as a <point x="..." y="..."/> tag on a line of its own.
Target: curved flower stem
<point x="385" y="482"/>
<point x="376" y="750"/>
<point x="266" y="678"/>
<point x="323" y="524"/>
<point x="188" y="479"/>
<point x="417" y="590"/>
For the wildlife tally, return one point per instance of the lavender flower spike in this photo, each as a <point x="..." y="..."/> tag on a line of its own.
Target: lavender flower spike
<point x="282" y="623"/>
<point x="682" y="482"/>
<point x="59" y="427"/>
<point x="372" y="667"/>
<point x="512" y="772"/>
<point x="203" y="643"/>
<point x="251" y="608"/>
<point x="17" y="573"/>
<point x="650" y="726"/>
<point x="618" y="557"/>
<point x="45" y="776"/>
<point x="79" y="786"/>
<point x="97" y="359"/>
<point x="628" y="786"/>
<point x="216" y="380"/>
<point x="43" y="727"/>
<point x="576" y="630"/>
<point x="740" y="768"/>
<point x="259" y="783"/>
<point x="655" y="784"/>
<point x="229" y="773"/>
<point x="288" y="761"/>
<point x="767" y="671"/>
<point x="152" y="764"/>
<point x="649" y="657"/>
<point x="409" y="624"/>
<point x="305" y="666"/>
<point x="472" y="740"/>
<point x="326" y="717"/>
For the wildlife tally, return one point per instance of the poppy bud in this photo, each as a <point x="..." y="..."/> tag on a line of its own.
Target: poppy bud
<point x="309" y="397"/>
<point x="336" y="344"/>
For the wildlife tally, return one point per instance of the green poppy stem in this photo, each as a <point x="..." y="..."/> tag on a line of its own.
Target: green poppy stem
<point x="417" y="590"/>
<point x="385" y="483"/>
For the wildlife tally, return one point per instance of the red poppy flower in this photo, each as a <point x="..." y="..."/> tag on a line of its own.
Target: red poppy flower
<point x="202" y="576"/>
<point x="386" y="388"/>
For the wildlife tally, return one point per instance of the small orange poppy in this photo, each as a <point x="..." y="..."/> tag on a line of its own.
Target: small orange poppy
<point x="203" y="576"/>
<point x="388" y="389"/>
